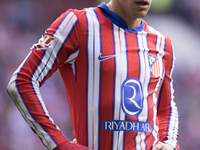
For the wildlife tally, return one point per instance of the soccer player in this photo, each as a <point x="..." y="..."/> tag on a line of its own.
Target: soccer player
<point x="117" y="72"/>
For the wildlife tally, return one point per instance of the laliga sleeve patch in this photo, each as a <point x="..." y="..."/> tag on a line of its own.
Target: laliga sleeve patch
<point x="44" y="42"/>
<point x="132" y="97"/>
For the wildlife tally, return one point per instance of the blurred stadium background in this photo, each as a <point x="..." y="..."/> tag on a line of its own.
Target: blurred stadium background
<point x="22" y="22"/>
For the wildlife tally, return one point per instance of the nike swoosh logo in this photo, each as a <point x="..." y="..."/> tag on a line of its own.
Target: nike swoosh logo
<point x="105" y="57"/>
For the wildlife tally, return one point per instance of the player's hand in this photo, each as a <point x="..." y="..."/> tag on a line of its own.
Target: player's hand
<point x="75" y="141"/>
<point x="162" y="146"/>
<point x="71" y="146"/>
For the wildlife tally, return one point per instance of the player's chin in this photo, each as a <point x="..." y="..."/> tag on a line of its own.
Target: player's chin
<point x="142" y="14"/>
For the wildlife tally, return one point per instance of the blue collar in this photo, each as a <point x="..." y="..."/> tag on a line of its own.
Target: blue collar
<point x="117" y="20"/>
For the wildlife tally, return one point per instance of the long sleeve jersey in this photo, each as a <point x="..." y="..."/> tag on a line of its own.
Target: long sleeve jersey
<point x="118" y="82"/>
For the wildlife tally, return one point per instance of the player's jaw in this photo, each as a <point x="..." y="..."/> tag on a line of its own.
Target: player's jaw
<point x="135" y="8"/>
<point x="140" y="7"/>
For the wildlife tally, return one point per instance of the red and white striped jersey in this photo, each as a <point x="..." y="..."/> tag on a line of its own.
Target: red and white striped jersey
<point x="118" y="82"/>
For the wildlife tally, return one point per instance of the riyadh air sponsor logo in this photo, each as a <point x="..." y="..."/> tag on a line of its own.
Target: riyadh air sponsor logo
<point x="132" y="97"/>
<point x="125" y="125"/>
<point x="102" y="58"/>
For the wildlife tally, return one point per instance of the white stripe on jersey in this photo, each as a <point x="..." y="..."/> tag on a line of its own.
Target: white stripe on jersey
<point x="71" y="60"/>
<point x="93" y="48"/>
<point x="145" y="79"/>
<point x="173" y="120"/>
<point x="72" y="56"/>
<point x="120" y="76"/>
<point x="124" y="72"/>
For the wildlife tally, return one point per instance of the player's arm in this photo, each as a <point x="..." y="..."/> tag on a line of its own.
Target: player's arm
<point x="45" y="58"/>
<point x="167" y="110"/>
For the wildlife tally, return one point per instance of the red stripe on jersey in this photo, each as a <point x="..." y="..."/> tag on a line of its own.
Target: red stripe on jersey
<point x="107" y="76"/>
<point x="132" y="54"/>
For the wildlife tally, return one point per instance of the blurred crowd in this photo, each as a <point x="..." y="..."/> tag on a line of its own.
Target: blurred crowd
<point x="22" y="22"/>
<point x="188" y="10"/>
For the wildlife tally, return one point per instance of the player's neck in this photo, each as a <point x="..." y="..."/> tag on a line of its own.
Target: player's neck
<point x="131" y="22"/>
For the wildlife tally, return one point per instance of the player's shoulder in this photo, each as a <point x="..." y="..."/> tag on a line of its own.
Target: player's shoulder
<point x="152" y="30"/>
<point x="76" y="12"/>
<point x="80" y="13"/>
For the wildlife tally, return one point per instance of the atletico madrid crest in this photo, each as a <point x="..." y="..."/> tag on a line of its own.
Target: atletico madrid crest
<point x="154" y="65"/>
